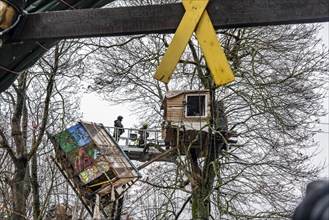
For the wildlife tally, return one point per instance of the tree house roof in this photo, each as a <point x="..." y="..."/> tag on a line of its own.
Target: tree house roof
<point x="175" y="93"/>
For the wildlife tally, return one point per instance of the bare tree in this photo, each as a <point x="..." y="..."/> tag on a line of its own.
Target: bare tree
<point x="35" y="103"/>
<point x="273" y="105"/>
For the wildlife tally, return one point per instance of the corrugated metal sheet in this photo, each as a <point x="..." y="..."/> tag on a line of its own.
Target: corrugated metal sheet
<point x="15" y="58"/>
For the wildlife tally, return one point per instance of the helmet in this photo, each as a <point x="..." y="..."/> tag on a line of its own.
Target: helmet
<point x="120" y="117"/>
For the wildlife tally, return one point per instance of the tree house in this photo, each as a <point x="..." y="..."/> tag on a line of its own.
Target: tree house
<point x="93" y="163"/>
<point x="187" y="108"/>
<point x="186" y="115"/>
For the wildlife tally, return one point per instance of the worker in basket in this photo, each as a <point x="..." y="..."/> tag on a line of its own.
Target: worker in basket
<point x="118" y="128"/>
<point x="143" y="135"/>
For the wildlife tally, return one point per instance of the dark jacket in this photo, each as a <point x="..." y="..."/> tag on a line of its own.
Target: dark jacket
<point x="118" y="124"/>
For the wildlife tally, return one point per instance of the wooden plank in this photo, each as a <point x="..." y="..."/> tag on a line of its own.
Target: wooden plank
<point x="214" y="55"/>
<point x="175" y="115"/>
<point x="176" y="101"/>
<point x="196" y="119"/>
<point x="194" y="11"/>
<point x="158" y="157"/>
<point x="165" y="18"/>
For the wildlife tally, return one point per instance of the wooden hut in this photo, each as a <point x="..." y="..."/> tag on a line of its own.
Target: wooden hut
<point x="190" y="108"/>
<point x="93" y="163"/>
<point x="186" y="114"/>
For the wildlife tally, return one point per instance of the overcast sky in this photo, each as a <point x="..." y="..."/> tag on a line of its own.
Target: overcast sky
<point x="323" y="136"/>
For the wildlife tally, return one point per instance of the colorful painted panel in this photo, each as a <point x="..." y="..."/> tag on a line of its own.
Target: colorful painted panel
<point x="66" y="141"/>
<point x="83" y="157"/>
<point x="87" y="155"/>
<point x="80" y="134"/>
<point x="73" y="137"/>
<point x="94" y="172"/>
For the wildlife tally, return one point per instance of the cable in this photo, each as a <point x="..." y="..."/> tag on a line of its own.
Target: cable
<point x="11" y="71"/>
<point x="64" y="2"/>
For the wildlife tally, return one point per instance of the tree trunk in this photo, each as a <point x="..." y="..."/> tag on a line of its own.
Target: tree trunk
<point x="35" y="188"/>
<point x="200" y="202"/>
<point x="200" y="192"/>
<point x="205" y="177"/>
<point x="20" y="188"/>
<point x="21" y="181"/>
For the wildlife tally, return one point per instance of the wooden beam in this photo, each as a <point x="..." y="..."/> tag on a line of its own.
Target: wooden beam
<point x="156" y="158"/>
<point x="165" y="18"/>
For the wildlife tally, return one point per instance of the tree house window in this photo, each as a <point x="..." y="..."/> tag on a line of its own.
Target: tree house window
<point x="196" y="106"/>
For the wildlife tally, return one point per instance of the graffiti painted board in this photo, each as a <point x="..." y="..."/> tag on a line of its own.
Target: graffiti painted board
<point x="99" y="168"/>
<point x="73" y="137"/>
<point x="87" y="151"/>
<point x="83" y="157"/>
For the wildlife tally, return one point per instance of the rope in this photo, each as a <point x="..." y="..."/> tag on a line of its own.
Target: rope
<point x="64" y="2"/>
<point x="11" y="71"/>
<point x="45" y="48"/>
